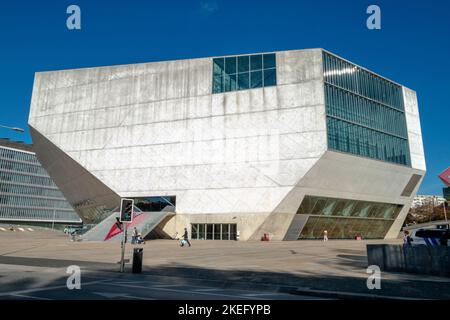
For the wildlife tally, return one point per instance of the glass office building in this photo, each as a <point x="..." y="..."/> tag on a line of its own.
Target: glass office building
<point x="27" y="193"/>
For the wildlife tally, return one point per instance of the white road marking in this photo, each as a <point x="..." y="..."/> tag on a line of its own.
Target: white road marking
<point x="164" y="285"/>
<point x="29" y="297"/>
<point x="110" y="295"/>
<point x="261" y="294"/>
<point x="20" y="292"/>
<point x="208" y="289"/>
<point x="187" y="291"/>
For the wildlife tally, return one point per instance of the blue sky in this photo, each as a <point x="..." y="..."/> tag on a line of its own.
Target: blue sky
<point x="412" y="48"/>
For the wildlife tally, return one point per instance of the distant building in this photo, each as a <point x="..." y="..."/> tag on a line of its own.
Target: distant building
<point x="27" y="194"/>
<point x="422" y="200"/>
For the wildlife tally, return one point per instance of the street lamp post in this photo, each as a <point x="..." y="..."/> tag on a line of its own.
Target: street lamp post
<point x="13" y="128"/>
<point x="445" y="211"/>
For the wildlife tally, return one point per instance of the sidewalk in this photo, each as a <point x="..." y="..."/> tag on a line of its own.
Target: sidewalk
<point x="334" y="269"/>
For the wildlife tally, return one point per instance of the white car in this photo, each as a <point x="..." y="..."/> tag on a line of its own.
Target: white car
<point x="430" y="237"/>
<point x="71" y="229"/>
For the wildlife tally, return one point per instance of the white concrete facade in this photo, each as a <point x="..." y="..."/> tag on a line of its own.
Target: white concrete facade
<point x="249" y="156"/>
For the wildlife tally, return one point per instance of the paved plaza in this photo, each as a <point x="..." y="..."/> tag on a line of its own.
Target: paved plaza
<point x="33" y="265"/>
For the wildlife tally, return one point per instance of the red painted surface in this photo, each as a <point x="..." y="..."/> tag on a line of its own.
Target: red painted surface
<point x="114" y="231"/>
<point x="445" y="176"/>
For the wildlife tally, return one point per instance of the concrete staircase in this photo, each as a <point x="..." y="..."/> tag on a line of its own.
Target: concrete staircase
<point x="146" y="226"/>
<point x="99" y="232"/>
<point x="145" y="222"/>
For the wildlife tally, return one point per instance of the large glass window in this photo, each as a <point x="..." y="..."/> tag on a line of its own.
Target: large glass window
<point x="345" y="228"/>
<point x="344" y="218"/>
<point x="244" y="72"/>
<point x="365" y="113"/>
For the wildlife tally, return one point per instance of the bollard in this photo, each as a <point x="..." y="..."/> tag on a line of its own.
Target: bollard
<point x="137" y="260"/>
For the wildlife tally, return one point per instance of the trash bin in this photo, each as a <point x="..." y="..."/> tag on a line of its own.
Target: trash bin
<point x="137" y="260"/>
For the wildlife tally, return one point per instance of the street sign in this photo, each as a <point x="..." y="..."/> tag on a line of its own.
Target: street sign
<point x="445" y="177"/>
<point x="126" y="210"/>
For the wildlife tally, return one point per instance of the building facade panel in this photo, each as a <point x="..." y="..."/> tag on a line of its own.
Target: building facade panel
<point x="414" y="129"/>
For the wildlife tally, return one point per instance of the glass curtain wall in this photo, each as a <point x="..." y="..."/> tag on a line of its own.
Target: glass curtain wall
<point x="27" y="192"/>
<point x="365" y="113"/>
<point x="344" y="219"/>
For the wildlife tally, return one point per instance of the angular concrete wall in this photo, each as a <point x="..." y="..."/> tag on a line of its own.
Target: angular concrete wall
<point x="89" y="196"/>
<point x="345" y="176"/>
<point x="155" y="129"/>
<point x="414" y="129"/>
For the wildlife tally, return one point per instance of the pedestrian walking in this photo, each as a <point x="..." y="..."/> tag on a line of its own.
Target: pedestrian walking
<point x="444" y="238"/>
<point x="407" y="240"/>
<point x="134" y="235"/>
<point x="325" y="235"/>
<point x="186" y="237"/>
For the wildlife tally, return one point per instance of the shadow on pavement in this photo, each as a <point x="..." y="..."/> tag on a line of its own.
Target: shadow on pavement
<point x="180" y="274"/>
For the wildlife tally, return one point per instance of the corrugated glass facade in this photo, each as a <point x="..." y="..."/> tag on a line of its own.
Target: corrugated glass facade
<point x="365" y="113"/>
<point x="27" y="193"/>
<point x="244" y="72"/>
<point x="344" y="218"/>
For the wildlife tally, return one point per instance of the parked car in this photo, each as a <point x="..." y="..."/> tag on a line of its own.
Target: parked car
<point x="72" y="229"/>
<point x="430" y="237"/>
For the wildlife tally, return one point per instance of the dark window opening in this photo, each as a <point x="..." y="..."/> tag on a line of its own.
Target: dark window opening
<point x="153" y="204"/>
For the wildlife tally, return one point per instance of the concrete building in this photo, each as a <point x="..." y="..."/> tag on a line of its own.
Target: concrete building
<point x="288" y="143"/>
<point x="27" y="194"/>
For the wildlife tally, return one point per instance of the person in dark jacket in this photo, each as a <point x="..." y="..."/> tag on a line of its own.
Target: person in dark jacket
<point x="407" y="241"/>
<point x="186" y="236"/>
<point x="444" y="238"/>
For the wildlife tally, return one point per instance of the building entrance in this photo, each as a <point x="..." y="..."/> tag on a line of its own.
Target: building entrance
<point x="213" y="231"/>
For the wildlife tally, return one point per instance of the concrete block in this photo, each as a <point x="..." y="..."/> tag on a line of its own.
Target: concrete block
<point x="375" y="255"/>
<point x="417" y="259"/>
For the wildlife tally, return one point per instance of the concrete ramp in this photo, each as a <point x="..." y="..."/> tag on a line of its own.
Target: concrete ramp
<point x="99" y="232"/>
<point x="145" y="222"/>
